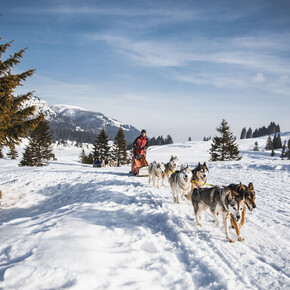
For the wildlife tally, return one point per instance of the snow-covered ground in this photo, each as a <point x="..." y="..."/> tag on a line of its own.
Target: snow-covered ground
<point x="70" y="225"/>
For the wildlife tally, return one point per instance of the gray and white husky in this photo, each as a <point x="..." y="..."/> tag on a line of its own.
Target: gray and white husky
<point x="217" y="199"/>
<point x="170" y="167"/>
<point x="180" y="183"/>
<point x="156" y="170"/>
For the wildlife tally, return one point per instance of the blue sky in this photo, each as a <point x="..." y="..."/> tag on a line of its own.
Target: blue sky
<point x="172" y="67"/>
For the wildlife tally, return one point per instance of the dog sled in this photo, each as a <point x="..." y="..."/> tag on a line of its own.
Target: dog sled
<point x="140" y="166"/>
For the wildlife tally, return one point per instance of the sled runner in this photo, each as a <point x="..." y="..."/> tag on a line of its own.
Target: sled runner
<point x="140" y="166"/>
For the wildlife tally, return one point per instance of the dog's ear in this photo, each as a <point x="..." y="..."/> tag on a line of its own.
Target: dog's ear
<point x="251" y="186"/>
<point x="204" y="163"/>
<point x="242" y="186"/>
<point x="198" y="163"/>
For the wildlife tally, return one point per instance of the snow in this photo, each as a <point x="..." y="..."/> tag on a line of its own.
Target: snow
<point x="70" y="225"/>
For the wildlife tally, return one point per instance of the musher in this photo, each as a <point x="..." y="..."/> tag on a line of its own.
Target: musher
<point x="140" y="146"/>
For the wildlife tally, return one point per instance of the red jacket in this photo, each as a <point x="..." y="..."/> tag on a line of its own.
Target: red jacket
<point x="140" y="145"/>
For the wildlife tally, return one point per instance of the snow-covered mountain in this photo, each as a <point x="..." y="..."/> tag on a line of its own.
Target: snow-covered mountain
<point x="78" y="124"/>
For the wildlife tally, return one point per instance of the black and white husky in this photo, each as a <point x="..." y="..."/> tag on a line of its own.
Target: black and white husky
<point x="199" y="177"/>
<point x="170" y="167"/>
<point x="156" y="170"/>
<point x="217" y="199"/>
<point x="180" y="183"/>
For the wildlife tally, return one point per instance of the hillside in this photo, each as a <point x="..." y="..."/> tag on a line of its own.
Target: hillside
<point x="70" y="225"/>
<point x="80" y="125"/>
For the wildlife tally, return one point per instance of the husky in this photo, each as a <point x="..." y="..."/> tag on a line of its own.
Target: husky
<point x="248" y="193"/>
<point x="156" y="170"/>
<point x="199" y="177"/>
<point x="180" y="183"/>
<point x="170" y="168"/>
<point x="217" y="199"/>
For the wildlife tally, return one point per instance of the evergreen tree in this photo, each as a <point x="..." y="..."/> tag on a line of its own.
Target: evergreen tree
<point x="243" y="133"/>
<point x="256" y="147"/>
<point x="15" y="120"/>
<point x="249" y="133"/>
<point x="101" y="146"/>
<point x="189" y="138"/>
<point x="120" y="148"/>
<point x="39" y="150"/>
<point x="269" y="144"/>
<point x="168" y="140"/>
<point x="289" y="149"/>
<point x="152" y="141"/>
<point x="277" y="142"/>
<point x="12" y="154"/>
<point x="83" y="156"/>
<point x="224" y="147"/>
<point x="284" y="153"/>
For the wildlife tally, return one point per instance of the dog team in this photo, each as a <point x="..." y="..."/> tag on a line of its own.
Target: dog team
<point x="229" y="201"/>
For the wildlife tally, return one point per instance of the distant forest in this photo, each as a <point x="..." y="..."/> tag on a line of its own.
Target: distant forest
<point x="160" y="140"/>
<point x="263" y="131"/>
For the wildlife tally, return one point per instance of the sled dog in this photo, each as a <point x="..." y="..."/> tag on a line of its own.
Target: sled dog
<point x="217" y="199"/>
<point x="248" y="193"/>
<point x="170" y="168"/>
<point x="199" y="177"/>
<point x="180" y="183"/>
<point x="155" y="172"/>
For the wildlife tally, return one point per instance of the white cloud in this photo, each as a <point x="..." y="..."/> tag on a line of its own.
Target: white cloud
<point x="259" y="78"/>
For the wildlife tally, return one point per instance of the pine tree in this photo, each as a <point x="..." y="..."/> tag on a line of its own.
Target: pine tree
<point x="189" y="139"/>
<point x="12" y="154"/>
<point x="249" y="133"/>
<point x="256" y="147"/>
<point x="15" y="120"/>
<point x="277" y="142"/>
<point x="224" y="147"/>
<point x="120" y="151"/>
<point x="269" y="144"/>
<point x="39" y="150"/>
<point x="283" y="153"/>
<point x="83" y="157"/>
<point x="289" y="149"/>
<point x="168" y="140"/>
<point x="243" y="133"/>
<point x="101" y="146"/>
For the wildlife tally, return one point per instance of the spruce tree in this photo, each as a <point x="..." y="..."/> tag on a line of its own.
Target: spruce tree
<point x="243" y="133"/>
<point x="277" y="142"/>
<point x="289" y="149"/>
<point x="256" y="147"/>
<point x="15" y="120"/>
<point x="224" y="147"/>
<point x="249" y="133"/>
<point x="101" y="146"/>
<point x="120" y="151"/>
<point x="39" y="150"/>
<point x="189" y="139"/>
<point x="283" y="153"/>
<point x="12" y="154"/>
<point x="168" y="140"/>
<point x="269" y="144"/>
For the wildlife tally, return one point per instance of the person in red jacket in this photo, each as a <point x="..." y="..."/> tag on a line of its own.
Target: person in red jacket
<point x="140" y="145"/>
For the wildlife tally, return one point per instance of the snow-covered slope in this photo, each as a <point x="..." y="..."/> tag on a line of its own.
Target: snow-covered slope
<point x="72" y="226"/>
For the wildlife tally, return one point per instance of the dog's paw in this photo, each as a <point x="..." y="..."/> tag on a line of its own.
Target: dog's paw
<point x="199" y="224"/>
<point x="241" y="239"/>
<point x="231" y="240"/>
